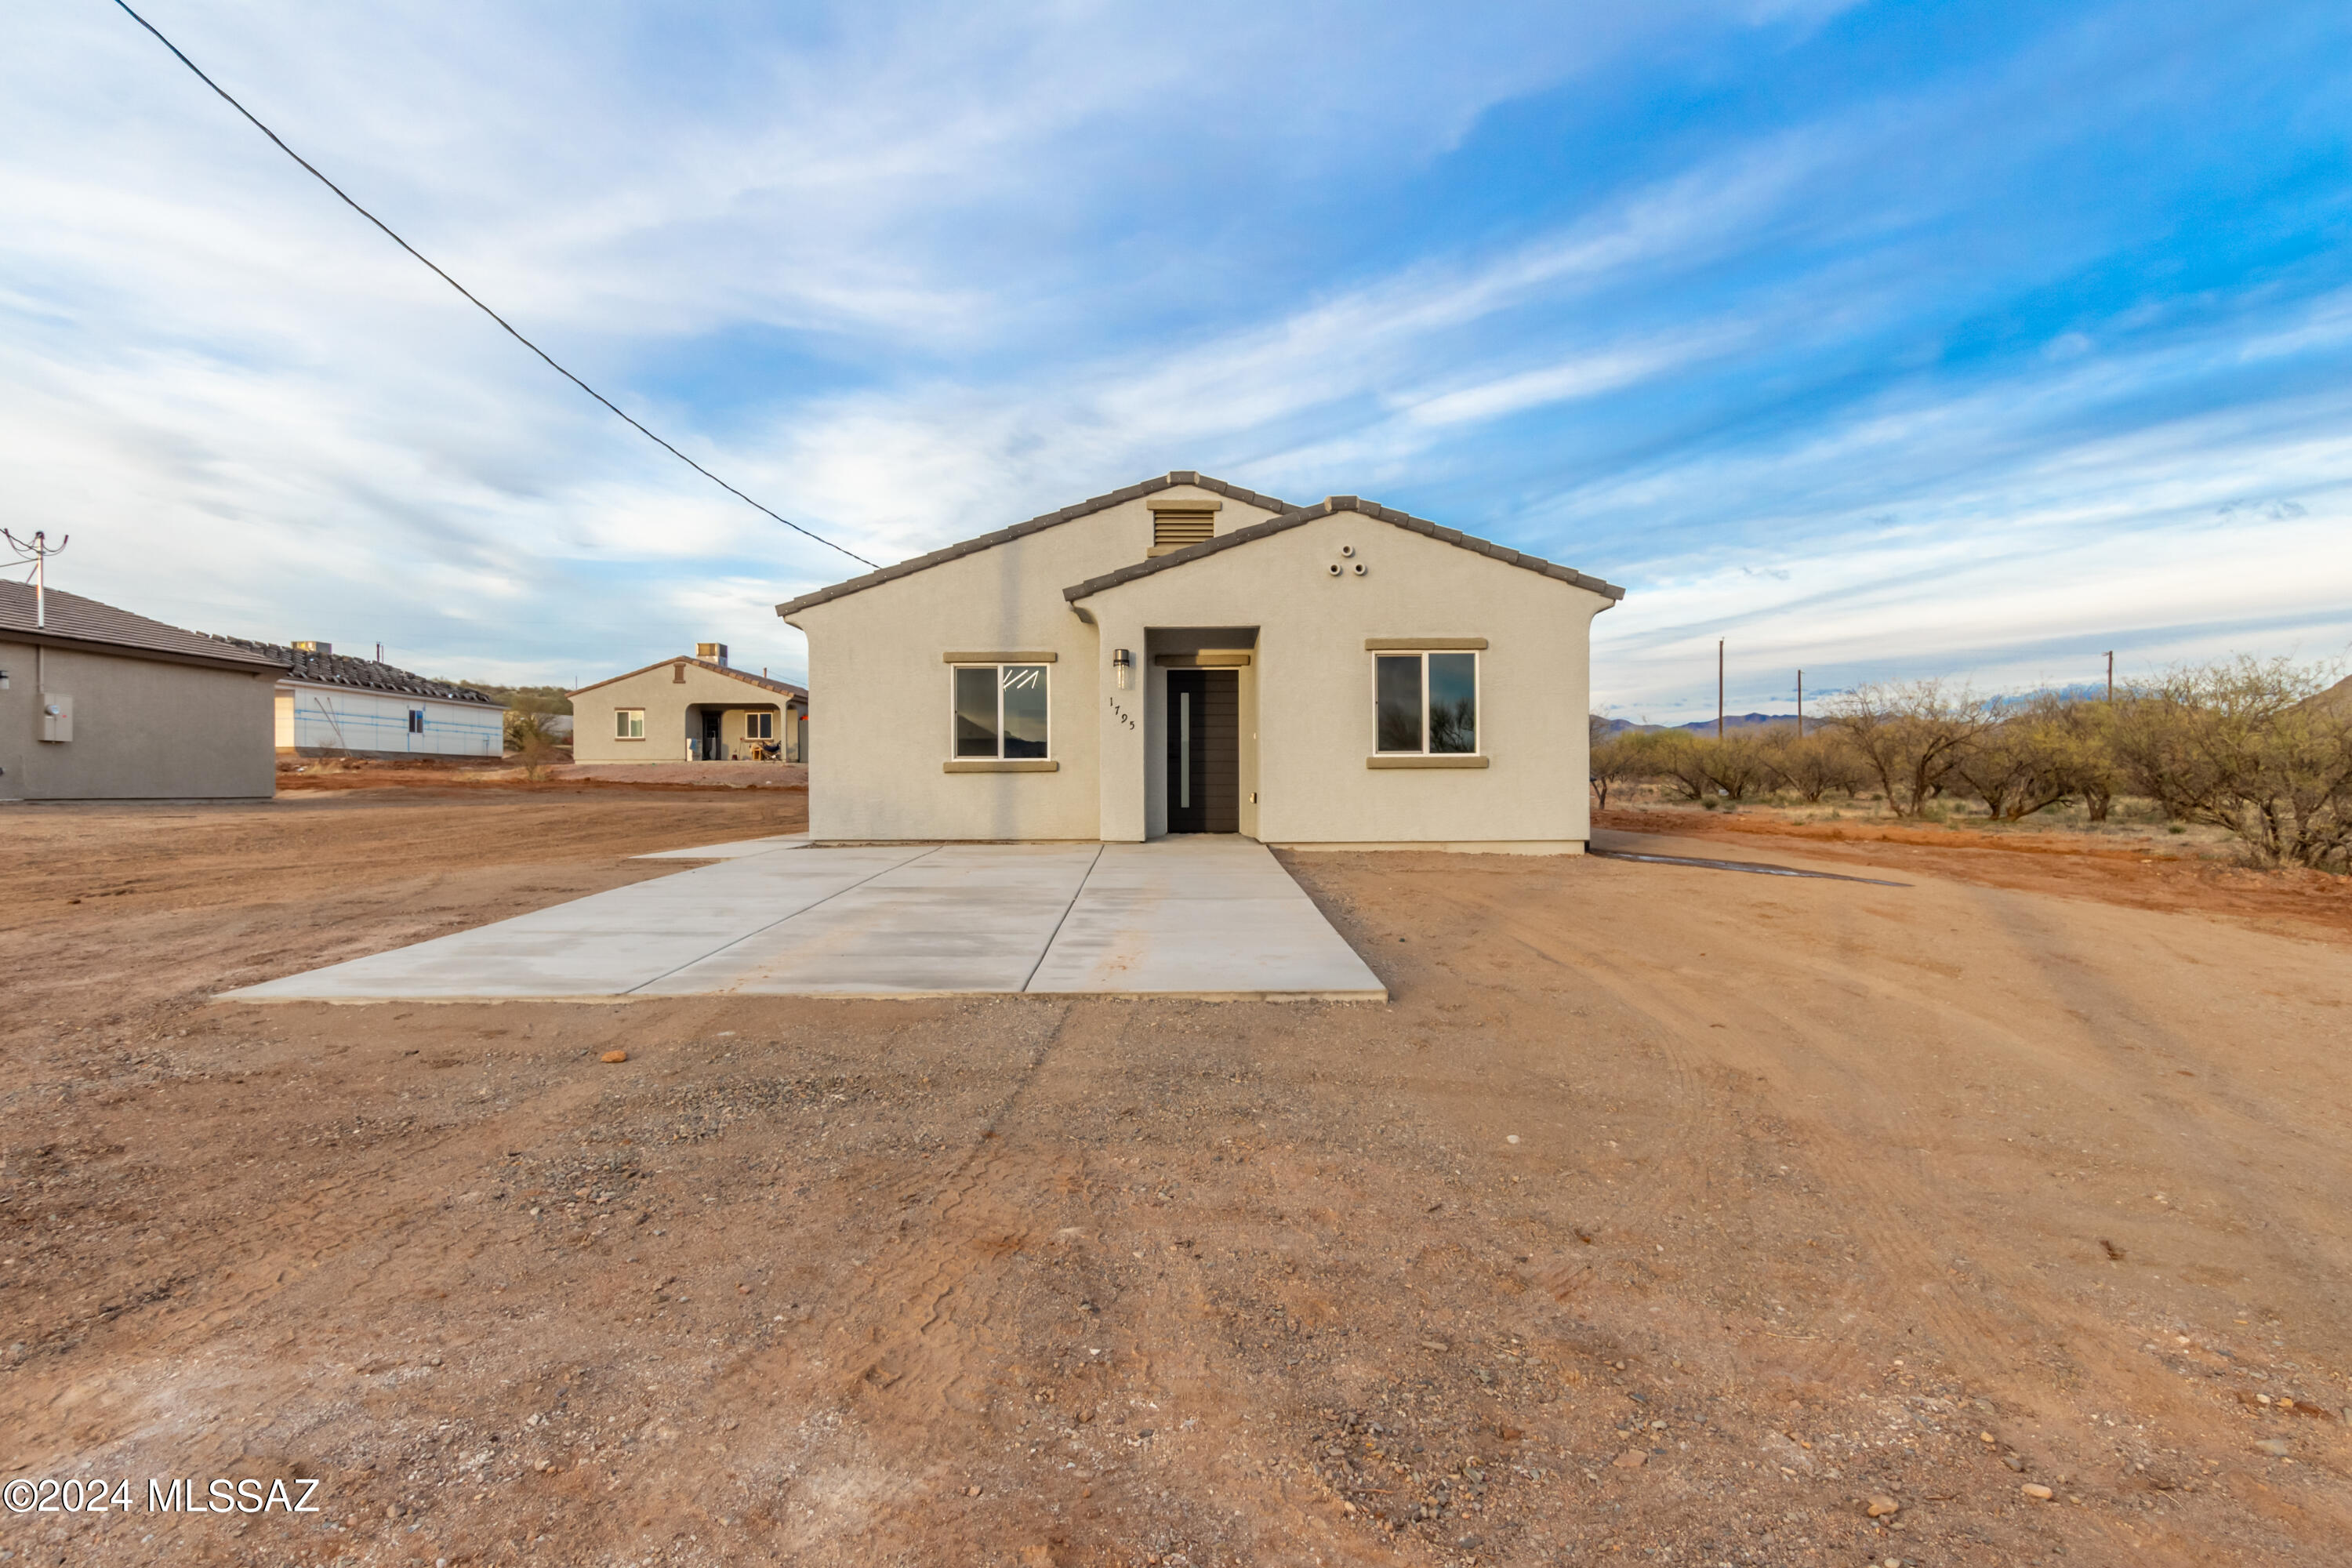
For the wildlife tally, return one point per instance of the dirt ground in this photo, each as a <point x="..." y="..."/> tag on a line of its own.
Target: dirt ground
<point x="1666" y="1215"/>
<point x="486" y="773"/>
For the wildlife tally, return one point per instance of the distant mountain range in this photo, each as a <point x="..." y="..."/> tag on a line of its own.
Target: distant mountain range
<point x="2091" y="690"/>
<point x="1731" y="722"/>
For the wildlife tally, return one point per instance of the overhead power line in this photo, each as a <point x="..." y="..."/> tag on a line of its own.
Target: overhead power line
<point x="471" y="298"/>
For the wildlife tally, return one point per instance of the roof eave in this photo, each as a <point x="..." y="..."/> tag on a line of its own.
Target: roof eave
<point x="44" y="637"/>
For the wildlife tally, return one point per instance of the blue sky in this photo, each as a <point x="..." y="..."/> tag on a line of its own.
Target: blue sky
<point x="1878" y="340"/>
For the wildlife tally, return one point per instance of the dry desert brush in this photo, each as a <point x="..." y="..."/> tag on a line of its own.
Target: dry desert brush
<point x="533" y="741"/>
<point x="1911" y="736"/>
<point x="2244" y="746"/>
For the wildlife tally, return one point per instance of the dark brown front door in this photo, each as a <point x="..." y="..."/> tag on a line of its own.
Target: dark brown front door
<point x="1205" y="751"/>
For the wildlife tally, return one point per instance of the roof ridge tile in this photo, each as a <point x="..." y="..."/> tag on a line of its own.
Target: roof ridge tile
<point x="1332" y="506"/>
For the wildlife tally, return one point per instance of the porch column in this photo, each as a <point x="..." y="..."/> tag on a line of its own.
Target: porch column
<point x="1124" y="731"/>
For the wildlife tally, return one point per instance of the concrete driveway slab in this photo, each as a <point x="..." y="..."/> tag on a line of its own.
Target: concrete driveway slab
<point x="1204" y="917"/>
<point x="968" y="918"/>
<point x="606" y="944"/>
<point x="1192" y="916"/>
<point x="735" y="850"/>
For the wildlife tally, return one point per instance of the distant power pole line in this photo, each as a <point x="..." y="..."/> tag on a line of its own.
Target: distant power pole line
<point x="38" y="548"/>
<point x="2111" y="675"/>
<point x="1718" y="689"/>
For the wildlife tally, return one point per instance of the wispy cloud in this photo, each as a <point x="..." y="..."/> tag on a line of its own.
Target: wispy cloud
<point x="1869" y="343"/>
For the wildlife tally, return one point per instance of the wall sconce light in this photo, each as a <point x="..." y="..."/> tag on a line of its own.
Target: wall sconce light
<point x="1122" y="664"/>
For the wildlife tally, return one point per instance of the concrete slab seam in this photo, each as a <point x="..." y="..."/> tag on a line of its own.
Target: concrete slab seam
<point x="772" y="925"/>
<point x="1075" y="894"/>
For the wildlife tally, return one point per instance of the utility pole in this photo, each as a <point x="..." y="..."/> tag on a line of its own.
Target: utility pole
<point x="2111" y="675"/>
<point x="1800" y="705"/>
<point x="1718" y="689"/>
<point x="40" y="550"/>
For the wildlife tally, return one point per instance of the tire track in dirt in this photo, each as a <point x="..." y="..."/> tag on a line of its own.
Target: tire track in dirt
<point x="1889" y="1187"/>
<point x="273" y="1248"/>
<point x="914" y="1359"/>
<point x="925" y="1311"/>
<point x="1688" y="1100"/>
<point x="1873" y="1160"/>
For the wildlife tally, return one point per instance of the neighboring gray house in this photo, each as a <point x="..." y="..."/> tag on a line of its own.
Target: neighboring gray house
<point x="97" y="703"/>
<point x="333" y="705"/>
<point x="1187" y="656"/>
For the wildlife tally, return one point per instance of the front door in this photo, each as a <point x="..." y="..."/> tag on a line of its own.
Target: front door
<point x="713" y="748"/>
<point x="1205" y="751"/>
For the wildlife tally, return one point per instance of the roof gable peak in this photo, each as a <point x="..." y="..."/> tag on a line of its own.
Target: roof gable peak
<point x="1173" y="479"/>
<point x="713" y="665"/>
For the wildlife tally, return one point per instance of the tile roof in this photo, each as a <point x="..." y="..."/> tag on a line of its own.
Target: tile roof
<point x="1328" y="507"/>
<point x="362" y="674"/>
<point x="787" y="687"/>
<point x="74" y="619"/>
<point x="1034" y="525"/>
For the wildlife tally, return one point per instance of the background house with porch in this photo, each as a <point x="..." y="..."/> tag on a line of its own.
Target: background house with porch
<point x="1188" y="656"/>
<point x="690" y="710"/>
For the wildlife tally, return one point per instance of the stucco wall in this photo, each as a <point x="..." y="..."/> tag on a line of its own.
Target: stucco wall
<point x="143" y="729"/>
<point x="666" y="703"/>
<point x="876" y="670"/>
<point x="1312" y="678"/>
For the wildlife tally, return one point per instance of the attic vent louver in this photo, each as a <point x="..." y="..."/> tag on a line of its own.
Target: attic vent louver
<point x="1178" y="528"/>
<point x="1181" y="520"/>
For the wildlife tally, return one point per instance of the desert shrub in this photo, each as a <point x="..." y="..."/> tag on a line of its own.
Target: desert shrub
<point x="532" y="742"/>
<point x="1734" y="764"/>
<point x="1910" y="735"/>
<point x="2243" y="746"/>
<point x="1616" y="761"/>
<point x="1677" y="758"/>
<point x="2024" y="763"/>
<point x="1810" y="765"/>
<point x="2083" y="735"/>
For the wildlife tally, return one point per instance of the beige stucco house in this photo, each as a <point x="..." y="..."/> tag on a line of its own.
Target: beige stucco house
<point x="690" y="710"/>
<point x="1187" y="656"/>
<point x="97" y="703"/>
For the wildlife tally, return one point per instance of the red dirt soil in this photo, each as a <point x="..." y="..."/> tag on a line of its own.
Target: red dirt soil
<point x="2055" y="862"/>
<point x="1666" y="1215"/>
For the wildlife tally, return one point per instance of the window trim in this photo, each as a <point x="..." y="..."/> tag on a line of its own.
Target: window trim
<point x="1387" y="647"/>
<point x="622" y="727"/>
<point x="1000" y="762"/>
<point x="763" y="716"/>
